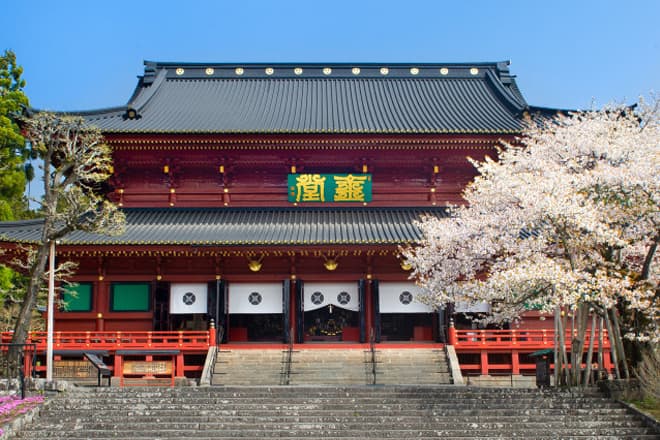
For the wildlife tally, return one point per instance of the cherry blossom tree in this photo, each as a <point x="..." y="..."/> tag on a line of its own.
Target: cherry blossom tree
<point x="566" y="221"/>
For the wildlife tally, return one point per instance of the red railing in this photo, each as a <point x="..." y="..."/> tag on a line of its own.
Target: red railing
<point x="181" y="340"/>
<point x="504" y="351"/>
<point x="531" y="339"/>
<point x="185" y="342"/>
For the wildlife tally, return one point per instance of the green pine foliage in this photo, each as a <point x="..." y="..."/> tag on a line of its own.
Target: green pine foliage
<point x="12" y="144"/>
<point x="13" y="155"/>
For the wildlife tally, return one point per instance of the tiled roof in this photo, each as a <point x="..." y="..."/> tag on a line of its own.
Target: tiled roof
<point x="319" y="98"/>
<point x="247" y="226"/>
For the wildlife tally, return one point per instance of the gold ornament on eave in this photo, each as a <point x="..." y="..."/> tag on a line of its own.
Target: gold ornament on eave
<point x="330" y="263"/>
<point x="255" y="265"/>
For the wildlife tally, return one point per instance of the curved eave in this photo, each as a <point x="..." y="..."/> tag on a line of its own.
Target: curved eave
<point x="260" y="132"/>
<point x="247" y="227"/>
<point x="236" y="243"/>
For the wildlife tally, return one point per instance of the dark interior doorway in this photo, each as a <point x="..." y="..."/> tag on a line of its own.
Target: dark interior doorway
<point x="265" y="327"/>
<point x="406" y="326"/>
<point x="332" y="323"/>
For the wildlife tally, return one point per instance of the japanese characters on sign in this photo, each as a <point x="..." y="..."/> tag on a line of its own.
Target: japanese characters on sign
<point x="328" y="188"/>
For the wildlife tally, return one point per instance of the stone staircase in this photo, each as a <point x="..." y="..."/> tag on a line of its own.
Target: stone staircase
<point x="422" y="366"/>
<point x="330" y="367"/>
<point x="360" y="412"/>
<point x="248" y="367"/>
<point x="349" y="366"/>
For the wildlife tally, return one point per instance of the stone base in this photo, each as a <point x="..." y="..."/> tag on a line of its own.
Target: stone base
<point x="504" y="381"/>
<point x="622" y="389"/>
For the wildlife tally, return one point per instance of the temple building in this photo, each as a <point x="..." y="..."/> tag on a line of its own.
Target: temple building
<point x="274" y="199"/>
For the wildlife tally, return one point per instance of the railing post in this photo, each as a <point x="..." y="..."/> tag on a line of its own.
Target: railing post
<point x="180" y="364"/>
<point x="452" y="333"/>
<point x="212" y="334"/>
<point x="149" y="339"/>
<point x="484" y="362"/>
<point x="515" y="362"/>
<point x="514" y="337"/>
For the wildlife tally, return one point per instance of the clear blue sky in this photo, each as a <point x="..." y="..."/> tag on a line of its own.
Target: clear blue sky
<point x="86" y="54"/>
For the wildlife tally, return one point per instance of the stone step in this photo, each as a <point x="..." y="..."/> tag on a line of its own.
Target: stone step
<point x="316" y="412"/>
<point x="329" y="367"/>
<point x="248" y="367"/>
<point x="317" y="432"/>
<point x="429" y="402"/>
<point x="412" y="366"/>
<point x="621" y="419"/>
<point x="353" y="425"/>
<point x="218" y="436"/>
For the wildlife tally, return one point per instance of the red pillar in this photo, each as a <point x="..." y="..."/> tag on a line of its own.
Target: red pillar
<point x="484" y="362"/>
<point x="515" y="362"/>
<point x="180" y="365"/>
<point x="212" y="335"/>
<point x="100" y="325"/>
<point x="452" y="333"/>
<point x="118" y="365"/>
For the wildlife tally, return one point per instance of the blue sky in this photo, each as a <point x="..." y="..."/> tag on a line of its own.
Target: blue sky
<point x="569" y="54"/>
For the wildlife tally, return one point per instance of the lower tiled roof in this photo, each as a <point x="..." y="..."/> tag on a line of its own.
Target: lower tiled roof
<point x="247" y="226"/>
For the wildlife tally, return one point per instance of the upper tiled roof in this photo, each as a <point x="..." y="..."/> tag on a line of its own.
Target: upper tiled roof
<point x="319" y="98"/>
<point x="247" y="226"/>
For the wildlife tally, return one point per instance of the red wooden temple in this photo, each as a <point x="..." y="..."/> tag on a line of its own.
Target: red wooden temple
<point x="268" y="203"/>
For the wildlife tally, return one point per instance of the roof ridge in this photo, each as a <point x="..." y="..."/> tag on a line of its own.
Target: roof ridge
<point x="141" y="99"/>
<point x="509" y="99"/>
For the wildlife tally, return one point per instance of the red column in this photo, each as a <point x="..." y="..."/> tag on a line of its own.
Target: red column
<point x="212" y="334"/>
<point x="100" y="325"/>
<point x="515" y="362"/>
<point x="452" y="333"/>
<point x="180" y="364"/>
<point x="484" y="362"/>
<point x="118" y="365"/>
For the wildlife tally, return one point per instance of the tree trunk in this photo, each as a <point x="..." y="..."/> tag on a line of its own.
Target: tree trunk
<point x="601" y="342"/>
<point x="563" y="356"/>
<point x="590" y="352"/>
<point x="556" y="358"/>
<point x="619" y="344"/>
<point x="23" y="321"/>
<point x="577" y="343"/>
<point x="610" y="336"/>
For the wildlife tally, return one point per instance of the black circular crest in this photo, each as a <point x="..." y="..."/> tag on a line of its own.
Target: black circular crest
<point x="344" y="298"/>
<point x="188" y="298"/>
<point x="255" y="298"/>
<point x="317" y="298"/>
<point x="406" y="297"/>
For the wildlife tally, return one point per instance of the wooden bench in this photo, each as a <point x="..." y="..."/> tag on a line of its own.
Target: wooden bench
<point x="148" y="368"/>
<point x="102" y="369"/>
